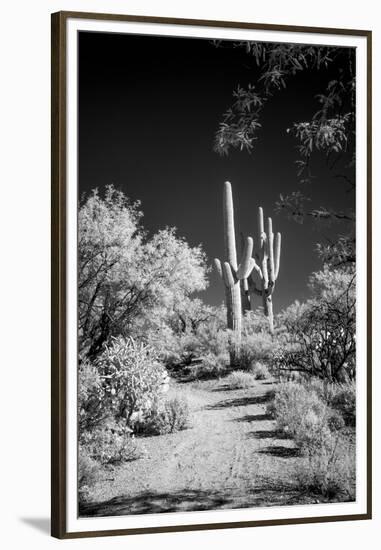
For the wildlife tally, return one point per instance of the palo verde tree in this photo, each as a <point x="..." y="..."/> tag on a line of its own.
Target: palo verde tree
<point x="125" y="276"/>
<point x="330" y="131"/>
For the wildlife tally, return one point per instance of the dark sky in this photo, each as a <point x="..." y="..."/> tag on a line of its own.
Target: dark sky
<point x="148" y="111"/>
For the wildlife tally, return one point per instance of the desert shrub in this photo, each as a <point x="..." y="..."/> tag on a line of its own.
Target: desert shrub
<point x="344" y="400"/>
<point x="339" y="396"/>
<point x="240" y="379"/>
<point x="184" y="349"/>
<point x="214" y="341"/>
<point x="111" y="443"/>
<point x="92" y="406"/>
<point x="302" y="415"/>
<point x="133" y="377"/>
<point x="335" y="421"/>
<point x="176" y="414"/>
<point x="191" y="331"/>
<point x="259" y="371"/>
<point x="88" y="473"/>
<point x="211" y="366"/>
<point x="323" y="388"/>
<point x="329" y="472"/>
<point x="253" y="348"/>
<point x="170" y="416"/>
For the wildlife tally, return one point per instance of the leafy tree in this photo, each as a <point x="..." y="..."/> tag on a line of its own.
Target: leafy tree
<point x="125" y="276"/>
<point x="190" y="315"/>
<point x="320" y="335"/>
<point x="330" y="131"/>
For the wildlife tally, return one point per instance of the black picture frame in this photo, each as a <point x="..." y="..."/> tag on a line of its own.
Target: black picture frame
<point x="58" y="274"/>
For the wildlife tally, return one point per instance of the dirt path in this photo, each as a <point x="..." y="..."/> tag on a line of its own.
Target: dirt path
<point x="231" y="457"/>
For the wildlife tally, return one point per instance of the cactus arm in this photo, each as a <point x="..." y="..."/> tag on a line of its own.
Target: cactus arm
<point x="270" y="241"/>
<point x="261" y="227"/>
<point x="217" y="265"/>
<point x="269" y="261"/>
<point x="228" y="275"/>
<point x="278" y="242"/>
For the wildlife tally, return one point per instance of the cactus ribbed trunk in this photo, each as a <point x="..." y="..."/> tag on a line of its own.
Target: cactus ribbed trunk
<point x="233" y="303"/>
<point x="232" y="289"/>
<point x="268" y="310"/>
<point x="247" y="279"/>
<point x="244" y="284"/>
<point x="265" y="272"/>
<point x="229" y="231"/>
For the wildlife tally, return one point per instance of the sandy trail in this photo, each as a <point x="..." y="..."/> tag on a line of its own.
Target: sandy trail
<point x="231" y="457"/>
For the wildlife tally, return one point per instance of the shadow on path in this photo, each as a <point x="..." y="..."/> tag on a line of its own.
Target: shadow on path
<point x="252" y="418"/>
<point x="280" y="452"/>
<point x="267" y="434"/>
<point x="224" y="388"/>
<point x="190" y="500"/>
<point x="152" y="503"/>
<point x="241" y="402"/>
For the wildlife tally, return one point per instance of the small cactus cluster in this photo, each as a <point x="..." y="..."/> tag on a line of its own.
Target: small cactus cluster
<point x="253" y="275"/>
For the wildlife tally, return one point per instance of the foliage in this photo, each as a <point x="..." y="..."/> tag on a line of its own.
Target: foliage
<point x="186" y="336"/>
<point x="254" y="348"/>
<point x="133" y="377"/>
<point x="328" y="468"/>
<point x="339" y="396"/>
<point x="329" y="472"/>
<point x="88" y="473"/>
<point x="302" y="415"/>
<point x="92" y="407"/>
<point x="344" y="401"/>
<point x="319" y="336"/>
<point x="330" y="130"/>
<point x="170" y="416"/>
<point x="276" y="63"/>
<point x="123" y="275"/>
<point x="110" y="443"/>
<point x="211" y="366"/>
<point x="338" y="253"/>
<point x="240" y="380"/>
<point x="240" y="122"/>
<point x="257" y="345"/>
<point x="190" y="315"/>
<point x="259" y="370"/>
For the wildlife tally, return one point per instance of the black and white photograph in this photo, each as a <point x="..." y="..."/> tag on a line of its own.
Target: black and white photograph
<point x="190" y="275"/>
<point x="216" y="274"/>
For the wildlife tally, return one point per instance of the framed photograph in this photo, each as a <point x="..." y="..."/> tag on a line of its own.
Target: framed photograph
<point x="211" y="274"/>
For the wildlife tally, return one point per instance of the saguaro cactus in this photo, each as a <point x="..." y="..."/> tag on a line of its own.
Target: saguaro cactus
<point x="229" y="270"/>
<point x="266" y="271"/>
